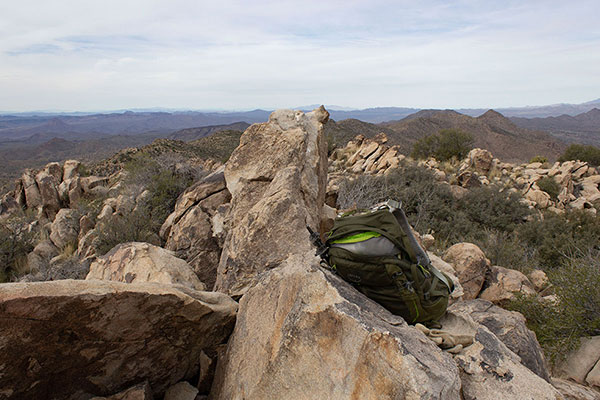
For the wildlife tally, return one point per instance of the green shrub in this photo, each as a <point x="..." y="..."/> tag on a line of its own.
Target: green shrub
<point x="540" y="159"/>
<point x="556" y="238"/>
<point x="445" y="145"/>
<point x="15" y="242"/>
<point x="590" y="154"/>
<point x="559" y="326"/>
<point x="549" y="185"/>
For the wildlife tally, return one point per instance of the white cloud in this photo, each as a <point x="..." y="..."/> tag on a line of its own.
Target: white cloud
<point x="237" y="54"/>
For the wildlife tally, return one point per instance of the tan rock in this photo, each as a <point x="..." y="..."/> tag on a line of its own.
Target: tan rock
<point x="71" y="169"/>
<point x="510" y="327"/>
<point x="540" y="198"/>
<point x="304" y="333"/>
<point x="539" y="279"/>
<point x="468" y="179"/>
<point x="142" y="262"/>
<point x="33" y="198"/>
<point x="504" y="283"/>
<point x="138" y="392"/>
<point x="581" y="204"/>
<point x="48" y="188"/>
<point x="277" y="178"/>
<point x="578" y="363"/>
<point x="181" y="391"/>
<point x="370" y="162"/>
<point x="367" y="148"/>
<point x="65" y="228"/>
<point x="77" y="339"/>
<point x="489" y="369"/>
<point x="458" y="192"/>
<point x="427" y="241"/>
<point x="471" y="266"/>
<point x="480" y="160"/>
<point x="89" y="183"/>
<point x="593" y="377"/>
<point x="573" y="391"/>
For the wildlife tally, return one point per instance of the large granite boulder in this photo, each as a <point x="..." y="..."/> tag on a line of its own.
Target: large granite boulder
<point x="304" y="333"/>
<point x="142" y="262"/>
<point x="503" y="283"/>
<point x="48" y="181"/>
<point x="510" y="328"/>
<point x="75" y="339"/>
<point x="471" y="266"/>
<point x="277" y="179"/>
<point x="489" y="370"/>
<point x="65" y="228"/>
<point x="582" y="364"/>
<point x="189" y="231"/>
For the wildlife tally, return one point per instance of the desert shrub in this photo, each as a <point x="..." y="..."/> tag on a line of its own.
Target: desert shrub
<point x="559" y="326"/>
<point x="445" y="145"/>
<point x="137" y="226"/>
<point x="557" y="238"/>
<point x="15" y="242"/>
<point x="588" y="153"/>
<point x="550" y="186"/>
<point x="430" y="206"/>
<point x="540" y="159"/>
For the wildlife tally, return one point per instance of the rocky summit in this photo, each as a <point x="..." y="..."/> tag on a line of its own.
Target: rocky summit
<point x="224" y="298"/>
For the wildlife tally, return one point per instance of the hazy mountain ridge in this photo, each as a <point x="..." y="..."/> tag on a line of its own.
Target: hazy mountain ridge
<point x="491" y="131"/>
<point x="581" y="128"/>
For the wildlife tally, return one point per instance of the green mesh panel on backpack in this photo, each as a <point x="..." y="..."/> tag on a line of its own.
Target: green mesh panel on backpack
<point x="396" y="282"/>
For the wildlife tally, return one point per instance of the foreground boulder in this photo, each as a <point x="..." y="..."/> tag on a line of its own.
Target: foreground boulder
<point x="304" y="333"/>
<point x="143" y="262"/>
<point x="76" y="339"/>
<point x="489" y="370"/>
<point x="510" y="328"/>
<point x="277" y="178"/>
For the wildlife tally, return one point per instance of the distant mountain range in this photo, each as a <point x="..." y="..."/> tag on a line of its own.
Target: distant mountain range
<point x="491" y="131"/>
<point x="581" y="128"/>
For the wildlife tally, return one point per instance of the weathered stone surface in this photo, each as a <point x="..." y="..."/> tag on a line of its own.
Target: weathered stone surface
<point x="33" y="198"/>
<point x="468" y="179"/>
<point x="503" y="283"/>
<point x="138" y="392"/>
<point x="471" y="266"/>
<point x="71" y="169"/>
<point x="142" y="262"/>
<point x="510" y="328"/>
<point x="480" y="160"/>
<point x="47" y="184"/>
<point x="573" y="391"/>
<point x="277" y="178"/>
<point x="540" y="198"/>
<point x="304" y="333"/>
<point x="74" y="339"/>
<point x="65" y="228"/>
<point x="539" y="279"/>
<point x="8" y="204"/>
<point x="489" y="370"/>
<point x="581" y="361"/>
<point x="593" y="377"/>
<point x="91" y="182"/>
<point x="181" y="391"/>
<point x="189" y="229"/>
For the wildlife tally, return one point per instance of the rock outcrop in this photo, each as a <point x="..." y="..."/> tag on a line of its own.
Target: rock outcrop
<point x="510" y="328"/>
<point x="471" y="266"/>
<point x="583" y="364"/>
<point x="143" y="262"/>
<point x="76" y="339"/>
<point x="503" y="283"/>
<point x="304" y="333"/>
<point x="277" y="179"/>
<point x="190" y="232"/>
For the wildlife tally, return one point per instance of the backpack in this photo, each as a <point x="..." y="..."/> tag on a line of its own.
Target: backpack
<point x="376" y="252"/>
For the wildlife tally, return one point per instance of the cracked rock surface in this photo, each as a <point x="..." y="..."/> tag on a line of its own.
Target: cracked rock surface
<point x="75" y="339"/>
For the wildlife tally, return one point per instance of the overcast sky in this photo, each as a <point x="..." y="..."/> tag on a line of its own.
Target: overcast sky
<point x="85" y="55"/>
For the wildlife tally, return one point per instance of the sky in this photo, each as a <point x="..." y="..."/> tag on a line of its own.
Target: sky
<point x="80" y="55"/>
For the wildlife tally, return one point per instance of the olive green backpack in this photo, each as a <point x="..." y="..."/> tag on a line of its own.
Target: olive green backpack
<point x="377" y="253"/>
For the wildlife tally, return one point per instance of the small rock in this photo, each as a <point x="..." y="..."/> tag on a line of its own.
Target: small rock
<point x="181" y="391"/>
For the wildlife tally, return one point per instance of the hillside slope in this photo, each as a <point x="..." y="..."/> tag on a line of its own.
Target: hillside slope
<point x="491" y="131"/>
